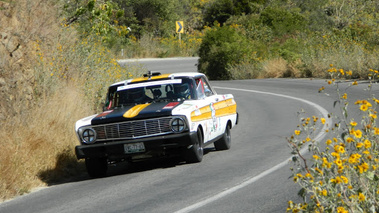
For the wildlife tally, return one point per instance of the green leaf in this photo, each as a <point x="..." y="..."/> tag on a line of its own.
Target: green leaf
<point x="302" y="192"/>
<point x="370" y="175"/>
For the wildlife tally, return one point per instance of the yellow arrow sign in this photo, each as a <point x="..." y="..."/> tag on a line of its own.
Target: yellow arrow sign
<point x="179" y="27"/>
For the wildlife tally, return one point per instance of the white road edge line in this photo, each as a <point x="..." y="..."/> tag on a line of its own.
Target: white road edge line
<point x="324" y="113"/>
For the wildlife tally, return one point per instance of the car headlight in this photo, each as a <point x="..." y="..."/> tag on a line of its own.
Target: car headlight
<point x="88" y="135"/>
<point x="178" y="124"/>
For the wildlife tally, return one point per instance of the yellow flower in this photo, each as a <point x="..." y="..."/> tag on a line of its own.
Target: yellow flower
<point x="361" y="197"/>
<point x="319" y="171"/>
<point x="316" y="157"/>
<point x="324" y="192"/>
<point x="344" y="96"/>
<point x="338" y="162"/>
<point x="367" y="103"/>
<point x="328" y="142"/>
<point x="336" y="155"/>
<point x="374" y="116"/>
<point x="355" y="83"/>
<point x="367" y="144"/>
<point x="315" y="119"/>
<point x="341" y="210"/>
<point x="358" y="133"/>
<point x="308" y="175"/>
<point x="359" y="145"/>
<point x="353" y="123"/>
<point x="345" y="179"/>
<point x="339" y="149"/>
<point x="353" y="159"/>
<point x="363" y="167"/>
<point x="364" y="107"/>
<point x="349" y="140"/>
<point x="376" y="131"/>
<point x="337" y="180"/>
<point x="322" y="120"/>
<point x="341" y="71"/>
<point x="297" y="132"/>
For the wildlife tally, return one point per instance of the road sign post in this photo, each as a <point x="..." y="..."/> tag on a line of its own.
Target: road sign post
<point x="179" y="29"/>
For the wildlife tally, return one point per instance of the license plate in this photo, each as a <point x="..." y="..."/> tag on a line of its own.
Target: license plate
<point x="134" y="148"/>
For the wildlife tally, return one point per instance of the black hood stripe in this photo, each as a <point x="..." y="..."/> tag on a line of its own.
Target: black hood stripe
<point x="153" y="110"/>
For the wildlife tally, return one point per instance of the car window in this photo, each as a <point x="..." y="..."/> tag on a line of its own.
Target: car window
<point x="203" y="88"/>
<point x="154" y="91"/>
<point x="200" y="88"/>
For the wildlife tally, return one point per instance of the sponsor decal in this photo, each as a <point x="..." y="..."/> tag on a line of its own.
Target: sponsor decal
<point x="171" y="105"/>
<point x="214" y="118"/>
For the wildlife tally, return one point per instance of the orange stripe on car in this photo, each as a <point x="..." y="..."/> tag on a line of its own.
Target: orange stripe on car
<point x="134" y="111"/>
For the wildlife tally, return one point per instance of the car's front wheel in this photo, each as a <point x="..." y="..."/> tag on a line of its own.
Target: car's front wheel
<point x="226" y="140"/>
<point x="96" y="167"/>
<point x="196" y="152"/>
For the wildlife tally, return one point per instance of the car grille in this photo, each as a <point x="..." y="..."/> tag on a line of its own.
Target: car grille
<point x="133" y="129"/>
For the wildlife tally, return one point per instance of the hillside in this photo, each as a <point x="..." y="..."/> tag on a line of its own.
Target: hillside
<point x="43" y="71"/>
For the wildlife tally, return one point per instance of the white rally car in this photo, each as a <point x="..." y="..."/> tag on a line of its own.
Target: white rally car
<point x="155" y="116"/>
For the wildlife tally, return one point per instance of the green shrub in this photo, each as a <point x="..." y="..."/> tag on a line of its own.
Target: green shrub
<point x="220" y="11"/>
<point x="283" y="21"/>
<point x="221" y="48"/>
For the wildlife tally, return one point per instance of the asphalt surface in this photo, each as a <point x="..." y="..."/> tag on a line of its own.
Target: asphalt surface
<point x="253" y="176"/>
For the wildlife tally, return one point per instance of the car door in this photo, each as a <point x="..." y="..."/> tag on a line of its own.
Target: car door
<point x="210" y="101"/>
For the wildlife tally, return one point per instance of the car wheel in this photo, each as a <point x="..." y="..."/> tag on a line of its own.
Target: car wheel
<point x="224" y="142"/>
<point x="96" y="167"/>
<point x="196" y="152"/>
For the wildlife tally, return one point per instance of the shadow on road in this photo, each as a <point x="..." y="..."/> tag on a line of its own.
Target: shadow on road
<point x="69" y="169"/>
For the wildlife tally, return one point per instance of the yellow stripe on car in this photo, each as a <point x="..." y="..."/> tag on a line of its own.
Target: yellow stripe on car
<point x="163" y="76"/>
<point x="134" y="111"/>
<point x="222" y="108"/>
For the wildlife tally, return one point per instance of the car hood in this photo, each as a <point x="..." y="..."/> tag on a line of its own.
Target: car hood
<point x="135" y="112"/>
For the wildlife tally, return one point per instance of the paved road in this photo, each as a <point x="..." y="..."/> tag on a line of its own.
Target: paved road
<point x="253" y="176"/>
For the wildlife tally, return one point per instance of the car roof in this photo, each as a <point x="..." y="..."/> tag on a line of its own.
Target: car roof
<point x="160" y="76"/>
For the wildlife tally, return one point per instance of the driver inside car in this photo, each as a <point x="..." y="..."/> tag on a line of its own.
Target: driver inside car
<point x="138" y="95"/>
<point x="182" y="91"/>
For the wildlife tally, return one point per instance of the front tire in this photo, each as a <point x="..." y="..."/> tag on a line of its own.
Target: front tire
<point x="196" y="152"/>
<point x="96" y="167"/>
<point x="224" y="143"/>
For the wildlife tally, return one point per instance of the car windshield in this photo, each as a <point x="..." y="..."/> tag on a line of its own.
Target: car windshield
<point x="152" y="91"/>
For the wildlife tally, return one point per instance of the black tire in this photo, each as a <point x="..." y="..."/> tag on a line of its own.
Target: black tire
<point x="196" y="152"/>
<point x="96" y="167"/>
<point x="224" y="143"/>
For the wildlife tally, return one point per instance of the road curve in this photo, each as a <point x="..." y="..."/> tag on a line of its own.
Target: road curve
<point x="253" y="176"/>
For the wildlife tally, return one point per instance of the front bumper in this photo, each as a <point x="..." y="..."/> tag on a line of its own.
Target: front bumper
<point x="154" y="146"/>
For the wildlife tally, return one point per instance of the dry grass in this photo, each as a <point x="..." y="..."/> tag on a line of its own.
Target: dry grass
<point x="55" y="80"/>
<point x="279" y="68"/>
<point x="35" y="140"/>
